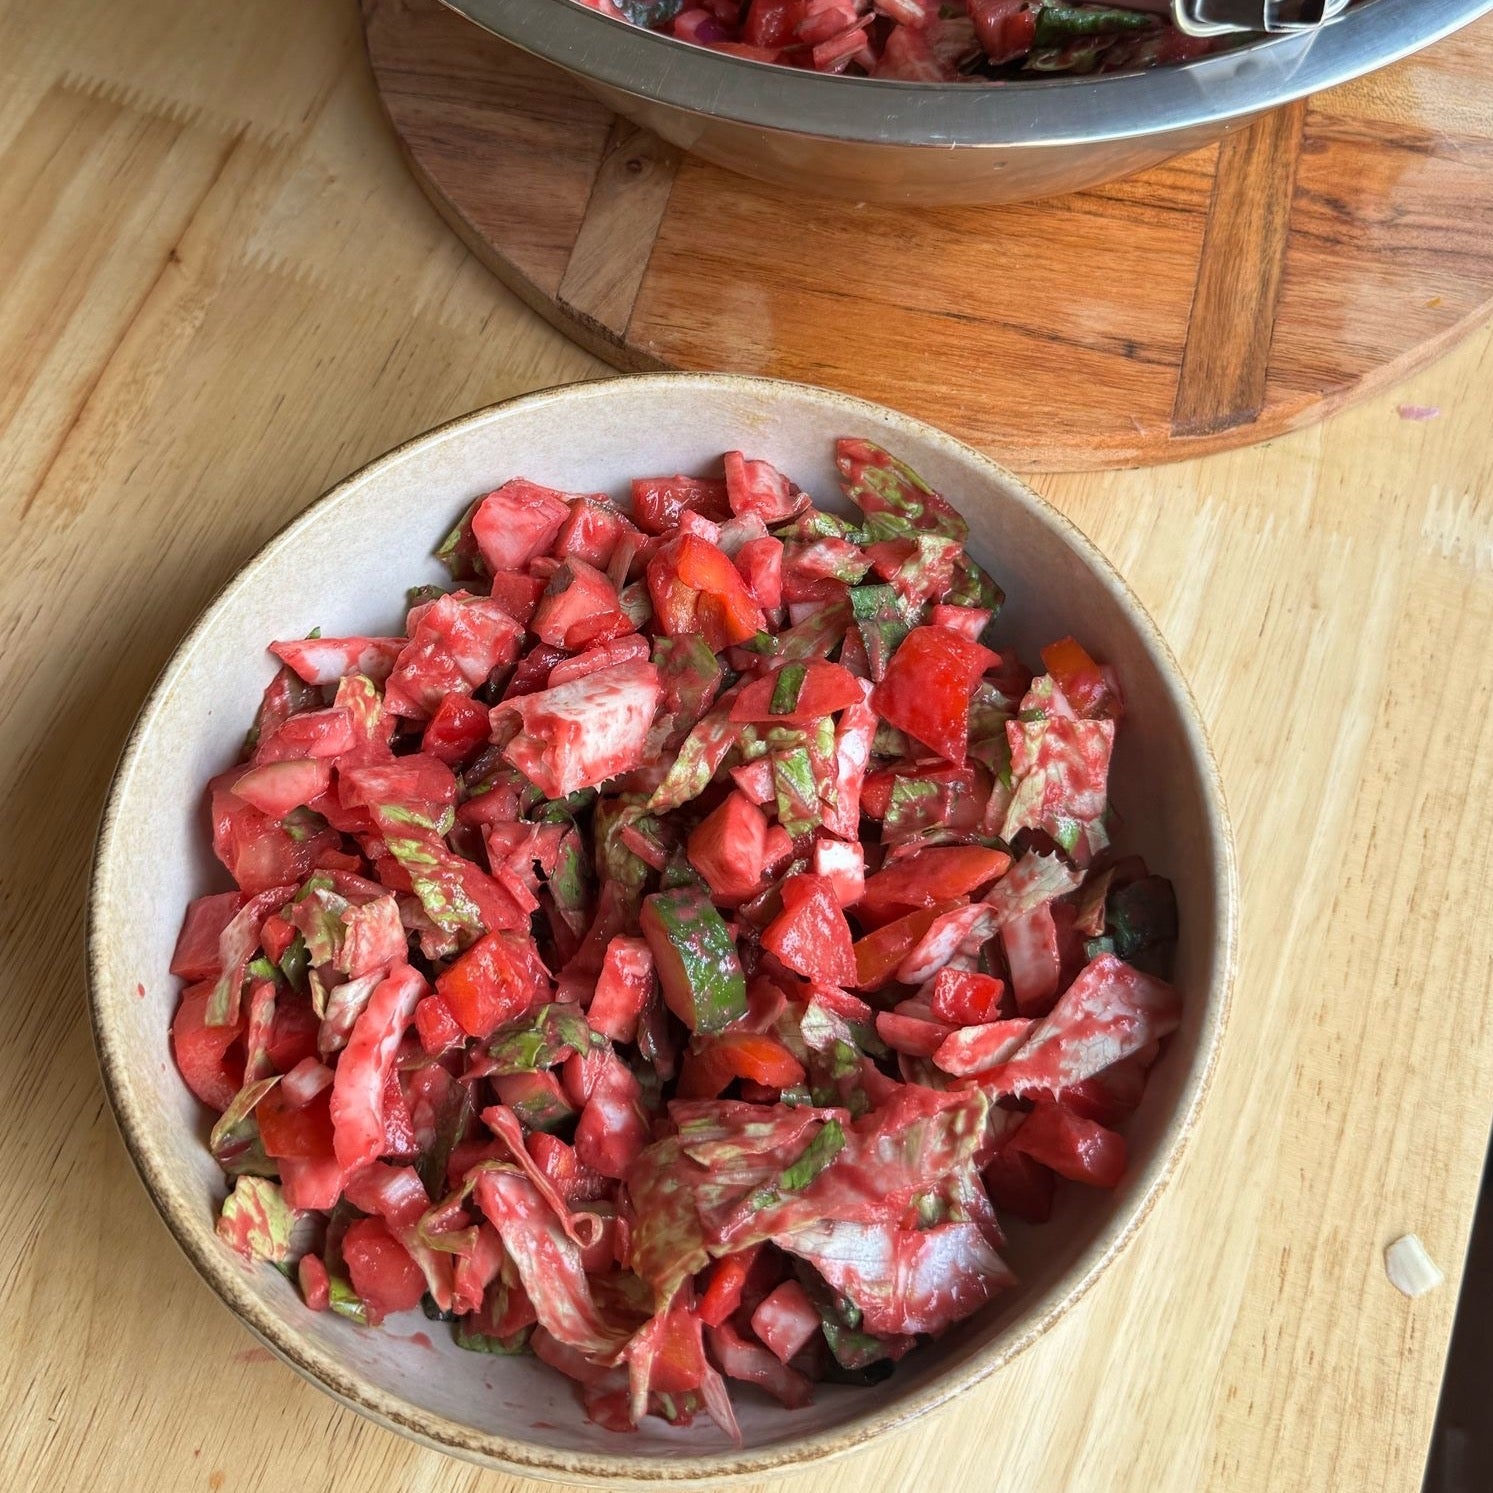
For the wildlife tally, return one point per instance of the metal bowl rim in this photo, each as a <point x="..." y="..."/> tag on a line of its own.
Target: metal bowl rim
<point x="1042" y="113"/>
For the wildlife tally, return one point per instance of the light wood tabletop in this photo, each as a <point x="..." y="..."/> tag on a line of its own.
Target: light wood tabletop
<point x="219" y="292"/>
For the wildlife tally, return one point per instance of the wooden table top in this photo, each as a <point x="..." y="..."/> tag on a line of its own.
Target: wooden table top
<point x="218" y="293"/>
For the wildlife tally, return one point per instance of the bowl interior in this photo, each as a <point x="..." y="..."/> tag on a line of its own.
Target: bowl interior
<point x="344" y="567"/>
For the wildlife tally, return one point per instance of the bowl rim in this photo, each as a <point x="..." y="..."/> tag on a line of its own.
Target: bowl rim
<point x="530" y="1458"/>
<point x="1041" y="113"/>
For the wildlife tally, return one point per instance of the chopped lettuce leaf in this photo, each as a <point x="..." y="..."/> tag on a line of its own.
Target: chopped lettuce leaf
<point x="256" y="1220"/>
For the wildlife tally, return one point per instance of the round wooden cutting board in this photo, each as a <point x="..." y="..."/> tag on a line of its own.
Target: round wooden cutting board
<point x="1228" y="296"/>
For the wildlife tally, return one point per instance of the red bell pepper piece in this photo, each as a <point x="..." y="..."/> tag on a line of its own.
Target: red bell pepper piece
<point x="878" y="954"/>
<point x="712" y="1063"/>
<point x="1085" y="685"/>
<point x="938" y="874"/>
<point x="695" y="588"/>
<point x="728" y="1277"/>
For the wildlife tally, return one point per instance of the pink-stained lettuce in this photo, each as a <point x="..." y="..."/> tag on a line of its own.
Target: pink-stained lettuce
<point x="549" y="1263"/>
<point x="364" y="1066"/>
<point x="256" y="1221"/>
<point x="1109" y="1012"/>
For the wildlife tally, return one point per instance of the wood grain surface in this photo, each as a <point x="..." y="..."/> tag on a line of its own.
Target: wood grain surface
<point x="1221" y="299"/>
<point x="220" y="290"/>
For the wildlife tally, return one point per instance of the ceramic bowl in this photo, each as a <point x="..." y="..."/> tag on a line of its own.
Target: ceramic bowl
<point x="344" y="566"/>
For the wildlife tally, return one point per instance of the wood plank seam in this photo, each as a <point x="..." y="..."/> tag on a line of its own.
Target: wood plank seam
<point x="171" y="259"/>
<point x="1226" y="359"/>
<point x="177" y="111"/>
<point x="629" y="197"/>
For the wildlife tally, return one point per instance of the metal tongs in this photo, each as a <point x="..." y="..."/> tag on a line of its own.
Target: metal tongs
<point x="1235" y="17"/>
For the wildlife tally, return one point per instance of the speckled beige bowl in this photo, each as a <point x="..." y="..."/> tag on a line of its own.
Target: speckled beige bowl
<point x="344" y="566"/>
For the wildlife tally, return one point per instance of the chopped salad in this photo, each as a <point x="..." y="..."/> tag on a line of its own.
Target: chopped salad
<point x="679" y="952"/>
<point x="923" y="41"/>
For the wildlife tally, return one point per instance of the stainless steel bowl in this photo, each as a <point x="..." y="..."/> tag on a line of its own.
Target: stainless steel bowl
<point x="881" y="141"/>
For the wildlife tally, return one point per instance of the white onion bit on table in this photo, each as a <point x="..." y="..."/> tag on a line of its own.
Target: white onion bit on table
<point x="1410" y="1268"/>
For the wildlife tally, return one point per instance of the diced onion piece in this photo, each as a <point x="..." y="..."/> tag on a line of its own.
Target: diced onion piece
<point x="1410" y="1268"/>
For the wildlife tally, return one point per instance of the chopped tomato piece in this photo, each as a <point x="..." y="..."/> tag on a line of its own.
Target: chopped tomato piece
<point x="1072" y="1146"/>
<point x="456" y="730"/>
<point x="1019" y="1184"/>
<point x="965" y="998"/>
<point x="197" y="955"/>
<point x="579" y="608"/>
<point x="728" y="848"/>
<point x="496" y="980"/>
<point x="658" y="502"/>
<point x="303" y="1133"/>
<point x="760" y="562"/>
<point x="205" y="1055"/>
<point x="797" y="694"/>
<point x="611" y="1131"/>
<point x="623" y="988"/>
<point x="516" y="522"/>
<point x="382" y="1272"/>
<point x="811" y="935"/>
<point x="927" y="689"/>
<point x="758" y="487"/>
